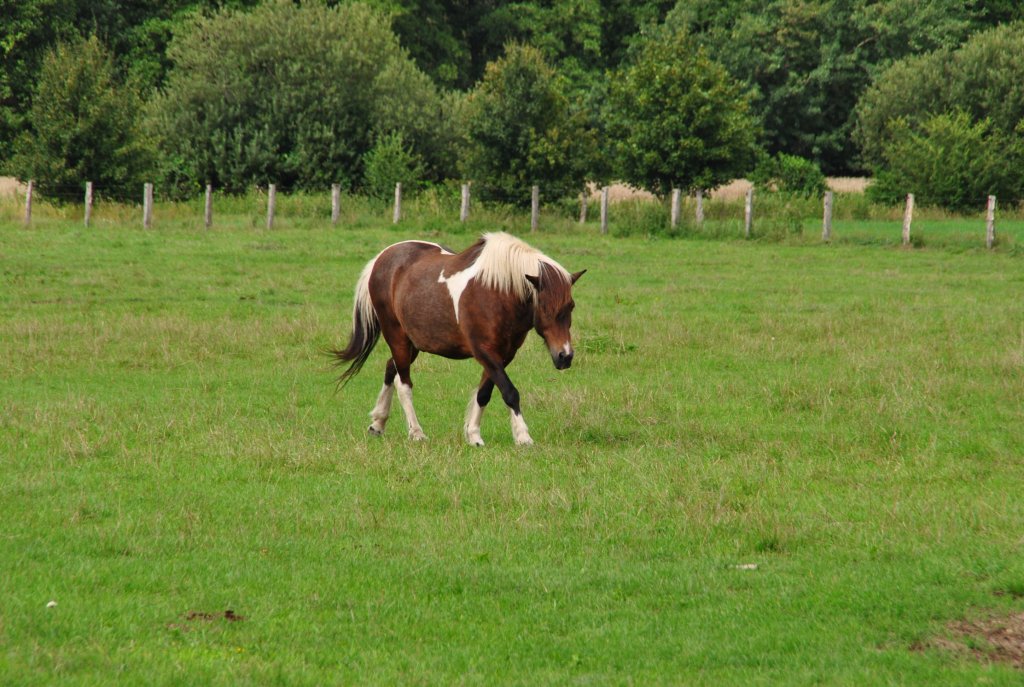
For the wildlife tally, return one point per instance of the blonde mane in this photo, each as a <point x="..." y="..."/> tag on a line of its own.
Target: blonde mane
<point x="505" y="260"/>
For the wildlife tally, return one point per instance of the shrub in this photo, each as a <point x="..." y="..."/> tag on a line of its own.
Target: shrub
<point x="292" y="94"/>
<point x="390" y="161"/>
<point x="981" y="78"/>
<point x="521" y="131"/>
<point x="790" y="174"/>
<point x="951" y="162"/>
<point x="678" y="119"/>
<point x="84" y="126"/>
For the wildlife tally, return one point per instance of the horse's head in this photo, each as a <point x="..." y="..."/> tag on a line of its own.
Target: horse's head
<point x="552" y="316"/>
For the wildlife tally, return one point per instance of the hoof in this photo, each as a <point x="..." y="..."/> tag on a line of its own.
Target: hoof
<point x="527" y="441"/>
<point x="374" y="431"/>
<point x="417" y="435"/>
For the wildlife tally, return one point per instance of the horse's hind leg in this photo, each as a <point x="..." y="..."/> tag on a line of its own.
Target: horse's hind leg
<point x="403" y="356"/>
<point x="382" y="411"/>
<point x="475" y="411"/>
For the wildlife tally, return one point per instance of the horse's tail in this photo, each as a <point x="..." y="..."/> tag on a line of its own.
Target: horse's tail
<point x="365" y="330"/>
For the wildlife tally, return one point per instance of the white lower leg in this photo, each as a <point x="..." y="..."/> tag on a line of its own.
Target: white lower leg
<point x="382" y="411"/>
<point x="519" y="431"/>
<point x="405" y="398"/>
<point x="472" y="427"/>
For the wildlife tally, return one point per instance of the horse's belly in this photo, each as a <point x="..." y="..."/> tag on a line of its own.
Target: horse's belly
<point x="435" y="332"/>
<point x="442" y="346"/>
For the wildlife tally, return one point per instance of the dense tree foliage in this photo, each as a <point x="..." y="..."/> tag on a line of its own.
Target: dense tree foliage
<point x="807" y="61"/>
<point x="947" y="125"/>
<point x="824" y="78"/>
<point x="84" y="126"/>
<point x="982" y="78"/>
<point x="291" y="94"/>
<point x="678" y="120"/>
<point x="521" y="130"/>
<point x="136" y="32"/>
<point x="454" y="40"/>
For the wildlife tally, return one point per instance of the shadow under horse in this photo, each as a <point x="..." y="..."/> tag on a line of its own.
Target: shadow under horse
<point x="480" y="303"/>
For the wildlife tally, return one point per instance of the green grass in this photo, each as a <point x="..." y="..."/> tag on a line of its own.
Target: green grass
<point x="849" y="418"/>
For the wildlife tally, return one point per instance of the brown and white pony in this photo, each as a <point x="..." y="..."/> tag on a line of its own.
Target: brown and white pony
<point x="480" y="303"/>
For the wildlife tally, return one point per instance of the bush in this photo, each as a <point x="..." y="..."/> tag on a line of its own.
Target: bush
<point x="84" y="127"/>
<point x="678" y="119"/>
<point x="981" y="78"/>
<point x="950" y="162"/>
<point x="390" y="162"/>
<point x="292" y="94"/>
<point x="790" y="174"/>
<point x="521" y="131"/>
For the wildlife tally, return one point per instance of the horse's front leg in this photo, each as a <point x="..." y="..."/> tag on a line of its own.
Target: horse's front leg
<point x="496" y="372"/>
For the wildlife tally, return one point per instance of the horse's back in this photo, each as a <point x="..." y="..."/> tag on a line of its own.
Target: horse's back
<point x="405" y="288"/>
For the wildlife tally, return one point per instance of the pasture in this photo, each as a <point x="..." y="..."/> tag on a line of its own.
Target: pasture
<point x="771" y="463"/>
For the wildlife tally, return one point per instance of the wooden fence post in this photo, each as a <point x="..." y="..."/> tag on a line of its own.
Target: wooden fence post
<point x="674" y="212"/>
<point x="534" y="208"/>
<point x="990" y="223"/>
<point x="271" y="204"/>
<point x="908" y="216"/>
<point x="583" y="204"/>
<point x="748" y="213"/>
<point x="335" y="203"/>
<point x="208" y="207"/>
<point x="826" y="225"/>
<point x="88" y="203"/>
<point x="28" y="202"/>
<point x="604" y="210"/>
<point x="464" y="209"/>
<point x="398" y="203"/>
<point x="147" y="205"/>
<point x="700" y="207"/>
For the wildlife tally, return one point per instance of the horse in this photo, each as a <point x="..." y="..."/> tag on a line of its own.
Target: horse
<point x="480" y="303"/>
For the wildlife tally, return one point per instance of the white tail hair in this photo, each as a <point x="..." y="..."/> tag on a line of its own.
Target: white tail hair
<point x="362" y="306"/>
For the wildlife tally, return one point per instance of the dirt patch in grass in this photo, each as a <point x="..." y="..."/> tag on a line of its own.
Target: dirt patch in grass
<point x="228" y="615"/>
<point x="201" y="616"/>
<point x="996" y="640"/>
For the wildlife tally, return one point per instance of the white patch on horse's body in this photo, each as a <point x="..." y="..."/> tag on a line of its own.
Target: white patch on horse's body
<point x="502" y="265"/>
<point x="474" y="413"/>
<point x="405" y="398"/>
<point x="362" y="305"/>
<point x="382" y="411"/>
<point x="519" y="430"/>
<point x="457" y="283"/>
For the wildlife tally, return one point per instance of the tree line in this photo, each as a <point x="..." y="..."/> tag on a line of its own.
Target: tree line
<point x="922" y="94"/>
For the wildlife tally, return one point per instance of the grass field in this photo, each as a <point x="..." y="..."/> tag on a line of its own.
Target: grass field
<point x="772" y="463"/>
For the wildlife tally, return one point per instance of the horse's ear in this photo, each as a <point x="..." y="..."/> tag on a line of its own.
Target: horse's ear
<point x="534" y="279"/>
<point x="577" y="275"/>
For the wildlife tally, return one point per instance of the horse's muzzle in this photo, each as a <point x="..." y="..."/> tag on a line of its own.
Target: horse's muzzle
<point x="562" y="360"/>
